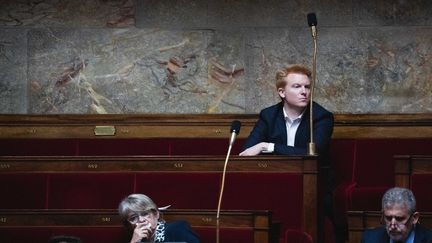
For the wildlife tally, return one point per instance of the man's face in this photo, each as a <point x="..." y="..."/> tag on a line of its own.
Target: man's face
<point x="398" y="221"/>
<point x="296" y="92"/>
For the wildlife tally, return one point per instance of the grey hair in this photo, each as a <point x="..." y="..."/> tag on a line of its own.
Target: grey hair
<point x="399" y="196"/>
<point x="136" y="203"/>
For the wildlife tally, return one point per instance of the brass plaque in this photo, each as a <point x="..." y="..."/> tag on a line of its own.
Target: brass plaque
<point x="104" y="130"/>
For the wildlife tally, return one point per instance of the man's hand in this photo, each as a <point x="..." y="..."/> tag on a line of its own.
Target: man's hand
<point x="255" y="150"/>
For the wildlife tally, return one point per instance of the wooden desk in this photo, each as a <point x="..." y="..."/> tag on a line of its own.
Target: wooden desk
<point x="408" y="165"/>
<point x="256" y="221"/>
<point x="135" y="169"/>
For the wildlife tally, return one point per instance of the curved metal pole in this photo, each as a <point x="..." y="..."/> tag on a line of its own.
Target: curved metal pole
<point x="312" y="147"/>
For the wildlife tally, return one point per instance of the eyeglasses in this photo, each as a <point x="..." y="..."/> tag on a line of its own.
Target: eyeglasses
<point x="399" y="221"/>
<point x="135" y="217"/>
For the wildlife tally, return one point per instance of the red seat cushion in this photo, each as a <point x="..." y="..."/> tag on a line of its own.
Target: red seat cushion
<point x="281" y="193"/>
<point x="296" y="236"/>
<point x="88" y="190"/>
<point x="420" y="184"/>
<point x="23" y="191"/>
<point x="35" y="146"/>
<point x="23" y="234"/>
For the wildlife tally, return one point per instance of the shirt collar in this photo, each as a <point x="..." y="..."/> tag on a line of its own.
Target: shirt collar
<point x="295" y="119"/>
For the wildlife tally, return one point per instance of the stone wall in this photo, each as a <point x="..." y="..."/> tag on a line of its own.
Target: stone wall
<point x="211" y="56"/>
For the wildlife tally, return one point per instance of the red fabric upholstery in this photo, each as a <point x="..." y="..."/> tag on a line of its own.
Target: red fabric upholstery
<point x="195" y="146"/>
<point x="154" y="146"/>
<point x="115" y="234"/>
<point x="279" y="192"/>
<point x="374" y="168"/>
<point x="43" y="234"/>
<point x="38" y="147"/>
<point x="375" y="164"/>
<point x="225" y="235"/>
<point x="23" y="191"/>
<point x="182" y="191"/>
<point x="295" y="236"/>
<point x="94" y="234"/>
<point x="343" y="153"/>
<point x="329" y="231"/>
<point x="88" y="190"/>
<point x="342" y="201"/>
<point x="22" y="235"/>
<point x="367" y="198"/>
<point x="364" y="168"/>
<point x="368" y="172"/>
<point x="420" y="185"/>
<point x="116" y="146"/>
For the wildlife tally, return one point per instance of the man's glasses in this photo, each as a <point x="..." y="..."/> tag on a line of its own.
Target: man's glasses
<point x="399" y="221"/>
<point x="134" y="217"/>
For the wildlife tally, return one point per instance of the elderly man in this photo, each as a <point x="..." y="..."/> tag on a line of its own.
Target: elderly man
<point x="401" y="220"/>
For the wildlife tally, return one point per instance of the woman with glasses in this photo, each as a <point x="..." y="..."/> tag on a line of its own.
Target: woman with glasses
<point x="142" y="216"/>
<point x="400" y="220"/>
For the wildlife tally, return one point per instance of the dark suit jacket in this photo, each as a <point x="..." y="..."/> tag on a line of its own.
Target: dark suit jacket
<point x="271" y="128"/>
<point x="379" y="235"/>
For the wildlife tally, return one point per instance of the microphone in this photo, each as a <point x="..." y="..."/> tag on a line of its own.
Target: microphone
<point x="312" y="21"/>
<point x="235" y="129"/>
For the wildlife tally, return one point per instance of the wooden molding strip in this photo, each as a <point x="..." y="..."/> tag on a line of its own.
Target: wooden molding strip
<point x="199" y="126"/>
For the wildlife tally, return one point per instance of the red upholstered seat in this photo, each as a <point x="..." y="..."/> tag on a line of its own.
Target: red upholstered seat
<point x="154" y="146"/>
<point x="35" y="146"/>
<point x="116" y="146"/>
<point x="203" y="146"/>
<point x="420" y="185"/>
<point x="365" y="170"/>
<point x="21" y="235"/>
<point x="295" y="236"/>
<point x="23" y="191"/>
<point x="114" y="234"/>
<point x="94" y="234"/>
<point x="88" y="190"/>
<point x="181" y="190"/>
<point x="279" y="192"/>
<point x="231" y="235"/>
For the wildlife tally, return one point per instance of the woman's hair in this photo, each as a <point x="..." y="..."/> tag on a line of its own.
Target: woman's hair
<point x="136" y="203"/>
<point x="399" y="196"/>
<point x="296" y="68"/>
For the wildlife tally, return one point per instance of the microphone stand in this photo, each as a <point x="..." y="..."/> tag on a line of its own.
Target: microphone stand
<point x="312" y="147"/>
<point x="221" y="190"/>
<point x="235" y="129"/>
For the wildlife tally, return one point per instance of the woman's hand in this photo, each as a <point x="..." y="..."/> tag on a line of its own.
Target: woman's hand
<point x="142" y="231"/>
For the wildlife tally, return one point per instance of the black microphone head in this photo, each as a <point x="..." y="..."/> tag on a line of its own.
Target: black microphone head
<point x="235" y="127"/>
<point x="312" y="20"/>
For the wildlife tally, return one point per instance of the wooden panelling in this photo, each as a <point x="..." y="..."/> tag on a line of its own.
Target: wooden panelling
<point x="358" y="221"/>
<point x="304" y="168"/>
<point x="407" y="165"/>
<point x="257" y="221"/>
<point x="32" y="164"/>
<point x="201" y="126"/>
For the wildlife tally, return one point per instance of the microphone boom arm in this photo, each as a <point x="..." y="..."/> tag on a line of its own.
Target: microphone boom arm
<point x="312" y="23"/>
<point x="235" y="129"/>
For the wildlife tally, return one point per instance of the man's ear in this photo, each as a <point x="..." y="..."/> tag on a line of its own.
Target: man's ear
<point x="281" y="93"/>
<point x="416" y="217"/>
